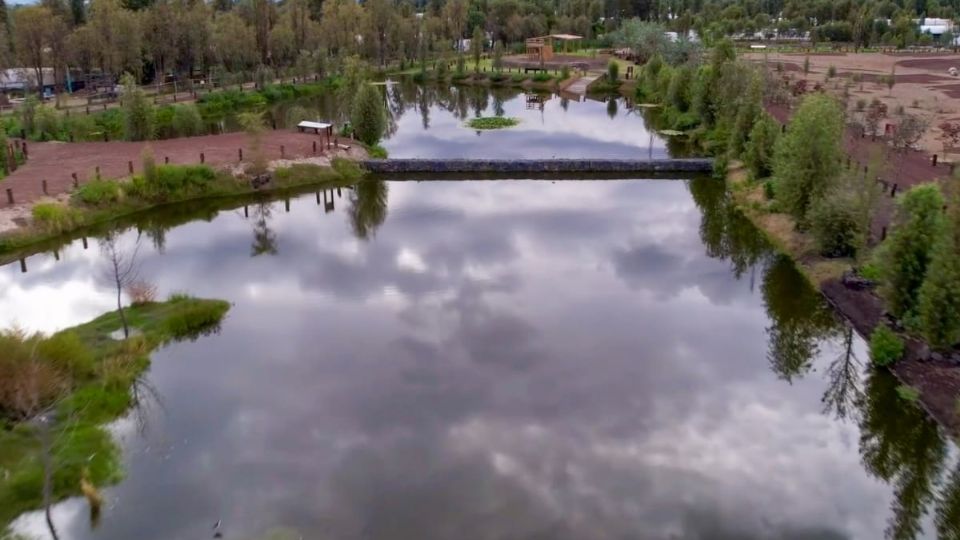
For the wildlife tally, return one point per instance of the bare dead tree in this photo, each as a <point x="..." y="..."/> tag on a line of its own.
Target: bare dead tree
<point x="121" y="270"/>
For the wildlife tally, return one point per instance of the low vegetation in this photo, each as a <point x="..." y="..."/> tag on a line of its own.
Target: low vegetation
<point x="492" y="122"/>
<point x="80" y="377"/>
<point x="102" y="201"/>
<point x="885" y="346"/>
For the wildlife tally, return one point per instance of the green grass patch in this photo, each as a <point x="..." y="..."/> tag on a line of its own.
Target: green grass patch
<point x="492" y="122"/>
<point x="99" y="192"/>
<point x="54" y="217"/>
<point x="99" y="373"/>
<point x="908" y="393"/>
<point x="377" y="152"/>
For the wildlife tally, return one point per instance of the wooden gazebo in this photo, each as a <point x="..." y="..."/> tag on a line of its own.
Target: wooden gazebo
<point x="541" y="48"/>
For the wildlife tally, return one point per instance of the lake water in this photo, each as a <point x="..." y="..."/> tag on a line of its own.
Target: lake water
<point x="590" y="359"/>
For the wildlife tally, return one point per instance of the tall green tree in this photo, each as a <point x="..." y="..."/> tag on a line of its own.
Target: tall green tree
<point x="905" y="256"/>
<point x="760" y="146"/>
<point x="368" y="116"/>
<point x="939" y="297"/>
<point x="806" y="159"/>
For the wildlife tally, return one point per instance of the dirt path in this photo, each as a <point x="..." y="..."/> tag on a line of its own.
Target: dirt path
<point x="56" y="162"/>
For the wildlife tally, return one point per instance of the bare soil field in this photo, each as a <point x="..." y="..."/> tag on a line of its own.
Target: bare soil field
<point x="56" y="162"/>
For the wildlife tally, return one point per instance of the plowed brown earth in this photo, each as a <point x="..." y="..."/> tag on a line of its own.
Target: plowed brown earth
<point x="55" y="162"/>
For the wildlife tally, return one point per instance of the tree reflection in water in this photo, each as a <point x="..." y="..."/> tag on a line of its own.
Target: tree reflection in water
<point x="899" y="443"/>
<point x="264" y="239"/>
<point x="368" y="207"/>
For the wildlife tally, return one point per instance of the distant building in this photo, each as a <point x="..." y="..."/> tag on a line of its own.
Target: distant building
<point x="23" y="79"/>
<point x="935" y="27"/>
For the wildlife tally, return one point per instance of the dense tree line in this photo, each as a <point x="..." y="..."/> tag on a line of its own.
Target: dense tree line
<point x="155" y="39"/>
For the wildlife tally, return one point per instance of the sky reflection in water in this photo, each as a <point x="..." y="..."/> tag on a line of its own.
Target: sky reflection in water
<point x="510" y="359"/>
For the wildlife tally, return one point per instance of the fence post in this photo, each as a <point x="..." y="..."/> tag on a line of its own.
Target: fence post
<point x="76" y="181"/>
<point x="9" y="195"/>
<point x="26" y="153"/>
<point x="282" y="152"/>
<point x="934" y="160"/>
<point x="893" y="191"/>
<point x="314" y="147"/>
<point x="97" y="172"/>
<point x="166" y="160"/>
<point x="202" y="158"/>
<point x="239" y="154"/>
<point x="43" y="184"/>
<point x="130" y="166"/>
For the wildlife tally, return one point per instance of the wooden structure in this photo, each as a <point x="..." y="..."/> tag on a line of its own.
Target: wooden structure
<point x="541" y="49"/>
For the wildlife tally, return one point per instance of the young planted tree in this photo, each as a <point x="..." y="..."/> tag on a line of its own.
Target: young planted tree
<point x="120" y="271"/>
<point x="806" y="159"/>
<point x="749" y="108"/>
<point x="476" y="47"/>
<point x="938" y="305"/>
<point x="368" y="117"/>
<point x="253" y="124"/>
<point x="138" y="110"/>
<point x="613" y="71"/>
<point x="498" y="56"/>
<point x="906" y="254"/>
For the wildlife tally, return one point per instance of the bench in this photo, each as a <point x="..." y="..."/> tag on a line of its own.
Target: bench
<point x="315" y="126"/>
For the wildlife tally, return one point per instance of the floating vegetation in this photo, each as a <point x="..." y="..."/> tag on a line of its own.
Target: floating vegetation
<point x="671" y="132"/>
<point x="492" y="122"/>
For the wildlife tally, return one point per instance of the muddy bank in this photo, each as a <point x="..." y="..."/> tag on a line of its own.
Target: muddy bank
<point x="935" y="375"/>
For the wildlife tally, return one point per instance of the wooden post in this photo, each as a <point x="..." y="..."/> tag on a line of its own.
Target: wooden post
<point x="166" y="160"/>
<point x="314" y="147"/>
<point x="130" y="166"/>
<point x="84" y="240"/>
<point x="203" y="158"/>
<point x="88" y="109"/>
<point x="76" y="181"/>
<point x="883" y="234"/>
<point x="23" y="266"/>
<point x="106" y="137"/>
<point x="43" y="184"/>
<point x="286" y="205"/>
<point x="282" y="152"/>
<point x="934" y="160"/>
<point x="246" y="211"/>
<point x="97" y="172"/>
<point x="9" y="195"/>
<point x="893" y="191"/>
<point x="26" y="153"/>
<point x="318" y="198"/>
<point x="239" y="154"/>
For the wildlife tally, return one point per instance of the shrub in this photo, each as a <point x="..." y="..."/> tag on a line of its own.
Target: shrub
<point x="368" y="116"/>
<point x="48" y="124"/>
<point x="377" y="152"/>
<point x="613" y="71"/>
<point x="171" y="182"/>
<point x="66" y="351"/>
<point x="347" y="169"/>
<point x="81" y="127"/>
<point x="885" y="346"/>
<point x="861" y="105"/>
<point x="564" y="72"/>
<point x="187" y="121"/>
<point x="542" y="77"/>
<point x="518" y="77"/>
<point x="835" y="225"/>
<point x="141" y="292"/>
<point x="98" y="192"/>
<point x="53" y="217"/>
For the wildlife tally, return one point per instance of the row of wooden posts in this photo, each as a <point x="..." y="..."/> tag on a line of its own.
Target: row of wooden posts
<point x="166" y="160"/>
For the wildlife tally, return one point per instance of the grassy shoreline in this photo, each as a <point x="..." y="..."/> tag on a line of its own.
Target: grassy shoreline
<point x="82" y="449"/>
<point x="31" y="239"/>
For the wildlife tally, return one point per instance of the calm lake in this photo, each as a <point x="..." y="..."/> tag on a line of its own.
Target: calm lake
<point x="510" y="359"/>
